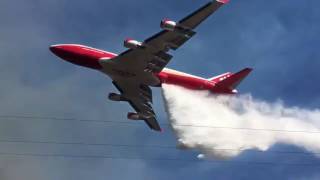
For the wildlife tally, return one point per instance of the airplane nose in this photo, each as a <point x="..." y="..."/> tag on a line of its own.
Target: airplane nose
<point x="55" y="49"/>
<point x="75" y="54"/>
<point x="61" y="51"/>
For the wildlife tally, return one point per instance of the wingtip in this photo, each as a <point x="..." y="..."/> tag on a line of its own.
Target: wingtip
<point x="249" y="69"/>
<point x="159" y="130"/>
<point x="223" y="1"/>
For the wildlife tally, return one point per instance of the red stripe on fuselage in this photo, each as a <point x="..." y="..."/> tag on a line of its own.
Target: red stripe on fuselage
<point x="190" y="82"/>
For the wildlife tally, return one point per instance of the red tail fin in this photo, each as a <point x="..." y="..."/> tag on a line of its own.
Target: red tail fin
<point x="227" y="83"/>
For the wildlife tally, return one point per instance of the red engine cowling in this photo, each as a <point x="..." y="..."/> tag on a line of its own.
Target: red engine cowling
<point x="167" y="24"/>
<point x="135" y="116"/>
<point x="132" y="44"/>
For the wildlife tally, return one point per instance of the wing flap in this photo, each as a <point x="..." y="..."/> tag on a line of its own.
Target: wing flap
<point x="139" y="96"/>
<point x="158" y="62"/>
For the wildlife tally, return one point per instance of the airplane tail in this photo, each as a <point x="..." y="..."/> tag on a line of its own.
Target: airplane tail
<point x="227" y="82"/>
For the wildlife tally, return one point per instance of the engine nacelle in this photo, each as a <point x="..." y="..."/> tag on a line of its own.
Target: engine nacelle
<point x="135" y="116"/>
<point x="133" y="44"/>
<point x="116" y="97"/>
<point x="169" y="25"/>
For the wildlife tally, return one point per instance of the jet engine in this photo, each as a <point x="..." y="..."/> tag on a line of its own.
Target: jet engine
<point x="116" y="97"/>
<point x="135" y="116"/>
<point x="133" y="44"/>
<point x="169" y="25"/>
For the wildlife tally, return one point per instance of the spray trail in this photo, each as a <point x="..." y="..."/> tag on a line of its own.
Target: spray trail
<point x="213" y="123"/>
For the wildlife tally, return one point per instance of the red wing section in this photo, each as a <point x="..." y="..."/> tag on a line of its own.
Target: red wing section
<point x="227" y="83"/>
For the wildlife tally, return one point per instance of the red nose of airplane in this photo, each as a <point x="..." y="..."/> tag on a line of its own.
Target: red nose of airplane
<point x="57" y="50"/>
<point x="76" y="54"/>
<point x="62" y="51"/>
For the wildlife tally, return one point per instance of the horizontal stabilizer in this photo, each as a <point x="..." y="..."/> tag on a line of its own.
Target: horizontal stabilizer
<point x="228" y="82"/>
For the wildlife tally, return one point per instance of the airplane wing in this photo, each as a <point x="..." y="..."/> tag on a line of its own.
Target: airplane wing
<point x="151" y="56"/>
<point x="140" y="98"/>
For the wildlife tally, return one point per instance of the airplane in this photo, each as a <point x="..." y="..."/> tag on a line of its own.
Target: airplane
<point x="142" y="66"/>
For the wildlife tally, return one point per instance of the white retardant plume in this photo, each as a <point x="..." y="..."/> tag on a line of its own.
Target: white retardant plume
<point x="224" y="126"/>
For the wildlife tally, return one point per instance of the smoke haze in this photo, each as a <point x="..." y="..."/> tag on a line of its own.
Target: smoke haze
<point x="225" y="126"/>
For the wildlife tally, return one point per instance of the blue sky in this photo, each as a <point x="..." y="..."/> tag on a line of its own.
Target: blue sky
<point x="279" y="39"/>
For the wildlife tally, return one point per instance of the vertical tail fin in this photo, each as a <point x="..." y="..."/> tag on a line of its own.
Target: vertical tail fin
<point x="226" y="83"/>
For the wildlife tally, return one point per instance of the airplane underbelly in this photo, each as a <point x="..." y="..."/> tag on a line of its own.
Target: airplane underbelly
<point x="119" y="73"/>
